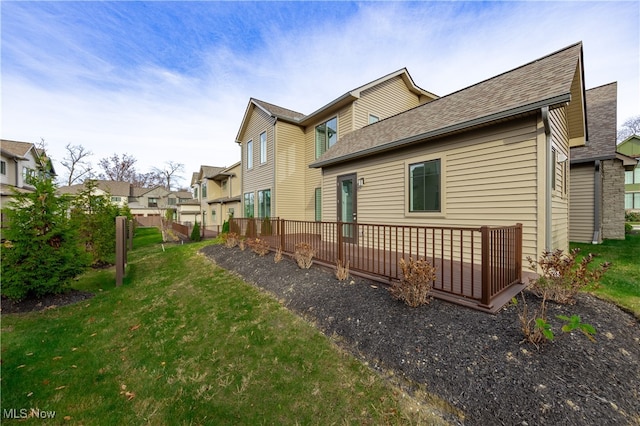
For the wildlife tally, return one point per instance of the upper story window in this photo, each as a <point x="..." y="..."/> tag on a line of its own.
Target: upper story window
<point x="632" y="176"/>
<point x="171" y="201"/>
<point x="326" y="136"/>
<point x="224" y="184"/>
<point x="263" y="147"/>
<point x="195" y="192"/>
<point x="373" y="118"/>
<point x="3" y="167"/>
<point x="424" y="186"/>
<point x="204" y="189"/>
<point x="27" y="174"/>
<point x="153" y="202"/>
<point x="116" y="199"/>
<point x="249" y="155"/>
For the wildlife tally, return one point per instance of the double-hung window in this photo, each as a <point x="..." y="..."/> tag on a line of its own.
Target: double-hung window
<point x="263" y="147"/>
<point x="249" y="155"/>
<point x="3" y="167"/>
<point x="425" y="186"/>
<point x="326" y="136"/>
<point x="264" y="203"/>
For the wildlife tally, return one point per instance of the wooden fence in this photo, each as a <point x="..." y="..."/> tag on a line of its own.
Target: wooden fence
<point x="479" y="267"/>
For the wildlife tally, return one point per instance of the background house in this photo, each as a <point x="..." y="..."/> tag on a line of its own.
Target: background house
<point x="490" y="154"/>
<point x="631" y="147"/>
<point x="18" y="160"/>
<point x="217" y="190"/>
<point x="278" y="144"/>
<point x="596" y="205"/>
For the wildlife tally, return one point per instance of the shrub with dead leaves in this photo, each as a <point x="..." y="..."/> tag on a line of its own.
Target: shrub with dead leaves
<point x="304" y="255"/>
<point x="416" y="283"/>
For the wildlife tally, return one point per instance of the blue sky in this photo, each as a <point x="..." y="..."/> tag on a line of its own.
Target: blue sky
<point x="171" y="80"/>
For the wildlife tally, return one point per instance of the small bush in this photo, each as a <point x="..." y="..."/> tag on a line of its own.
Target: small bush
<point x="195" y="233"/>
<point x="266" y="228"/>
<point x="225" y="227"/>
<point x="417" y="279"/>
<point x="278" y="257"/>
<point x="231" y="239"/>
<point x="259" y="246"/>
<point x="628" y="228"/>
<point x="304" y="255"/>
<point x="242" y="245"/>
<point x="562" y="276"/>
<point x="342" y="270"/>
<point x="631" y="216"/>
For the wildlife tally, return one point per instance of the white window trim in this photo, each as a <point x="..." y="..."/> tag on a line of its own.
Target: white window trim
<point x="263" y="148"/>
<point x="443" y="192"/>
<point x="250" y="154"/>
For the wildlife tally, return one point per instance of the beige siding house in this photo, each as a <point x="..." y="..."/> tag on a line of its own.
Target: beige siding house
<point x="17" y="161"/>
<point x="217" y="192"/>
<point x="278" y="144"/>
<point x="631" y="148"/>
<point x="596" y="203"/>
<point x="493" y="154"/>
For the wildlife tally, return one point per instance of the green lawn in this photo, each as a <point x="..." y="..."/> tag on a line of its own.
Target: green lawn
<point x="183" y="342"/>
<point x="621" y="283"/>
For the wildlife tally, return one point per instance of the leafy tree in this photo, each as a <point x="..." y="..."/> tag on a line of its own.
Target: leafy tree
<point x="94" y="216"/>
<point x="41" y="253"/>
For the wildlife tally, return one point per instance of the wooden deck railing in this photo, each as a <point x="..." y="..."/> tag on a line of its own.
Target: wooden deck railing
<point x="473" y="265"/>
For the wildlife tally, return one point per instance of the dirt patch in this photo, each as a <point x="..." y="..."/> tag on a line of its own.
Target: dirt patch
<point x="474" y="360"/>
<point x="47" y="302"/>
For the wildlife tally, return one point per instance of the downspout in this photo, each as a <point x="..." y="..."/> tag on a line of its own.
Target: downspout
<point x="549" y="176"/>
<point x="597" y="199"/>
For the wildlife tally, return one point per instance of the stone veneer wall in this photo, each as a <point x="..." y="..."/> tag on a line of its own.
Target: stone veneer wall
<point x="613" y="200"/>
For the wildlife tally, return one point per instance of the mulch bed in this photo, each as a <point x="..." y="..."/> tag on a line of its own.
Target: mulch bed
<point x="47" y="302"/>
<point x="474" y="360"/>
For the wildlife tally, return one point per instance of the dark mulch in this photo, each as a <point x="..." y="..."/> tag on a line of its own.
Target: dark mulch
<point x="474" y="360"/>
<point x="47" y="302"/>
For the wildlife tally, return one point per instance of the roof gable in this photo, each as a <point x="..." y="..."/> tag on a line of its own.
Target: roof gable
<point x="547" y="81"/>
<point x="601" y="122"/>
<point x="15" y="148"/>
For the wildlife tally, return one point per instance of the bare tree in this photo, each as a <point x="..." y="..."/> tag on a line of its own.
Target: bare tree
<point x="169" y="173"/>
<point x="630" y="127"/>
<point x="118" y="168"/>
<point x="76" y="164"/>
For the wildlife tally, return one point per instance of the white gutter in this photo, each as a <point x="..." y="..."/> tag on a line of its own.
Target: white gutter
<point x="549" y="176"/>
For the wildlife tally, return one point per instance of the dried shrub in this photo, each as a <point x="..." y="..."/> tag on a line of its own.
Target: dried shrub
<point x="563" y="276"/>
<point x="304" y="255"/>
<point x="259" y="246"/>
<point x="534" y="325"/>
<point x="242" y="245"/>
<point x="278" y="257"/>
<point x="416" y="283"/>
<point x="231" y="239"/>
<point x="342" y="270"/>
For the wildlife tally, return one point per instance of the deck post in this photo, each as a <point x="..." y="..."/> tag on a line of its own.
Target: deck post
<point x="519" y="251"/>
<point x="281" y="232"/>
<point x="486" y="266"/>
<point x="340" y="248"/>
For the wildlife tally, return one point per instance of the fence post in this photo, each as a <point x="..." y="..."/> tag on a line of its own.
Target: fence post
<point x="486" y="266"/>
<point x="131" y="235"/>
<point x="281" y="232"/>
<point x="120" y="249"/>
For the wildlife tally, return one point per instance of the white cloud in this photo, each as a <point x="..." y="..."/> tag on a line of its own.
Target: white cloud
<point x="73" y="94"/>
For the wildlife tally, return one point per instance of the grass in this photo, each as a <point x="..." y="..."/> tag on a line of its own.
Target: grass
<point x="621" y="283"/>
<point x="184" y="342"/>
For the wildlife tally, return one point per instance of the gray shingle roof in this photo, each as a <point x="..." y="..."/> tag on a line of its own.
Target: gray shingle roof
<point x="279" y="112"/>
<point x="15" y="148"/>
<point x="601" y="123"/>
<point x="543" y="82"/>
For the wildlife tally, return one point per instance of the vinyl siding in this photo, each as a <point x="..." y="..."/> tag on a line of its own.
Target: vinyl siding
<point x="261" y="176"/>
<point x="489" y="178"/>
<point x="581" y="205"/>
<point x="290" y="173"/>
<point x="384" y="100"/>
<point x="560" y="196"/>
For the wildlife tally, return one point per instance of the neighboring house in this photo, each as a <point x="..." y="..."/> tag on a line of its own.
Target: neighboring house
<point x="218" y="191"/>
<point x="175" y="199"/>
<point x="149" y="202"/>
<point x="18" y="160"/>
<point x="596" y="188"/>
<point x="631" y="148"/>
<point x="278" y="144"/>
<point x="118" y="192"/>
<point x="491" y="154"/>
